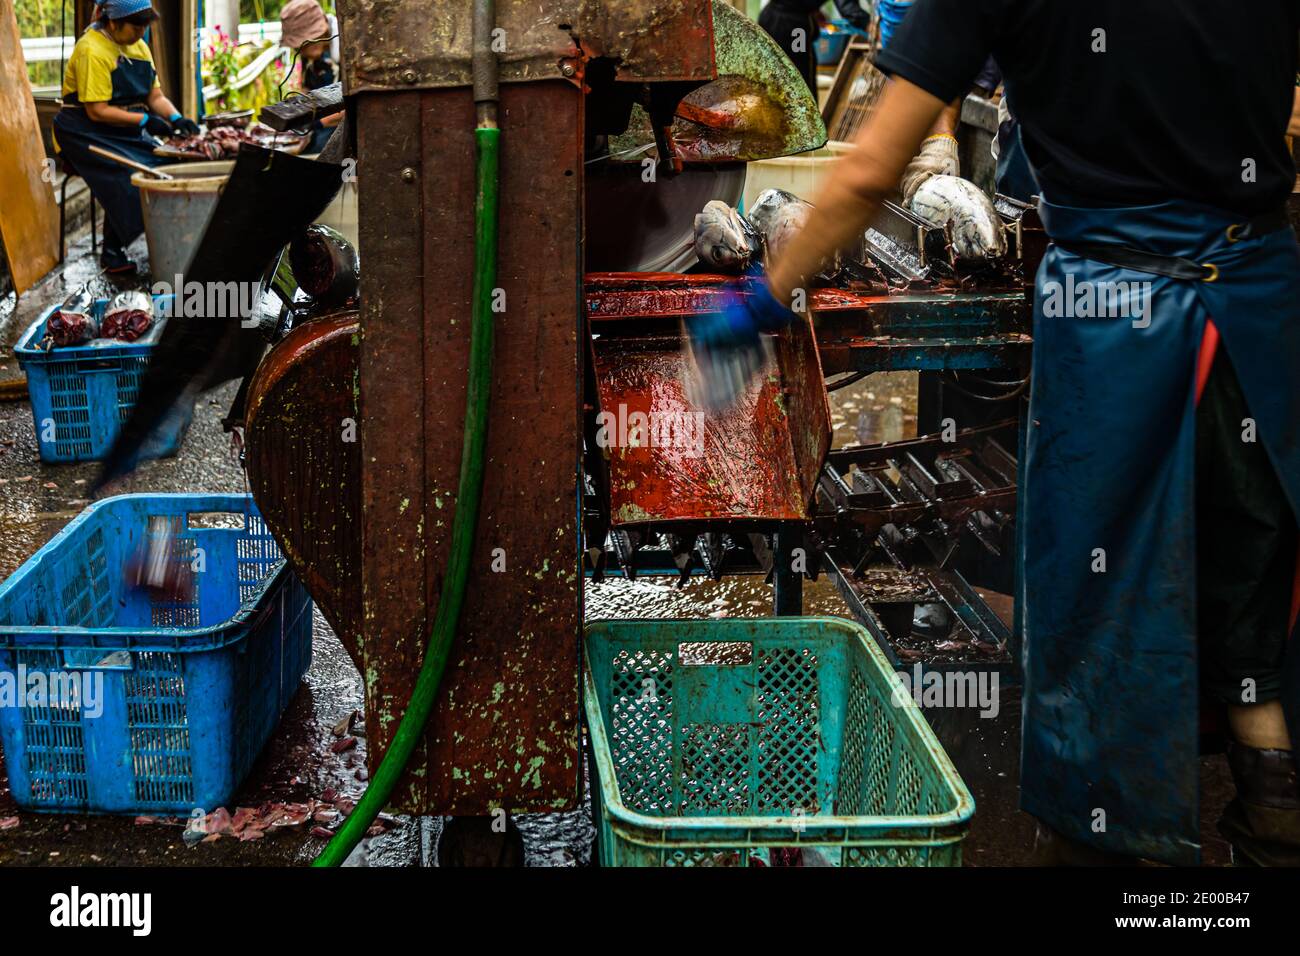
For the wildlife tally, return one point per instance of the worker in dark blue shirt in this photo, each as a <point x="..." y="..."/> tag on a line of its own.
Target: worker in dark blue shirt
<point x="1162" y="479"/>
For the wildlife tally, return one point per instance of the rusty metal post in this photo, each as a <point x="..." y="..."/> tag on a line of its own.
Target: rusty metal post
<point x="504" y="733"/>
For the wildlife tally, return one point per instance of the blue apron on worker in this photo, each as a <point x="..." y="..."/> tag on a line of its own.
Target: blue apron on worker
<point x="110" y="182"/>
<point x="1110" y="743"/>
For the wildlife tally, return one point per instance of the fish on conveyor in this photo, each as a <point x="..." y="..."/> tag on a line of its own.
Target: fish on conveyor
<point x="74" y="321"/>
<point x="129" y="315"/>
<point x="958" y="204"/>
<point x="778" y="216"/>
<point x="724" y="240"/>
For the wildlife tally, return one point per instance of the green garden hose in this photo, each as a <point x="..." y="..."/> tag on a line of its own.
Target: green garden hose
<point x="411" y="729"/>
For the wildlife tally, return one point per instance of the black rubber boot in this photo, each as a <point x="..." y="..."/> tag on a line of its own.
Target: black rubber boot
<point x="1263" y="822"/>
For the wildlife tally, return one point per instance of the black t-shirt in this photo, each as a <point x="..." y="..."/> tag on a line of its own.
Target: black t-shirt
<point x="1126" y="102"/>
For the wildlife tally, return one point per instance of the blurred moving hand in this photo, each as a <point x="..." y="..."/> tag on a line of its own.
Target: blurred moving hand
<point x="728" y="345"/>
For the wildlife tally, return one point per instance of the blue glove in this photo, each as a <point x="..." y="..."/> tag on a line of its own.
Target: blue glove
<point x="741" y="319"/>
<point x="728" y="345"/>
<point x="186" y="126"/>
<point x="156" y="126"/>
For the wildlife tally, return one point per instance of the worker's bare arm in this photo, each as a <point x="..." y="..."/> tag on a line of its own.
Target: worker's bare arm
<point x="1293" y="127"/>
<point x="112" y="115"/>
<point x="948" y="121"/>
<point x="859" y="182"/>
<point x="159" y="105"/>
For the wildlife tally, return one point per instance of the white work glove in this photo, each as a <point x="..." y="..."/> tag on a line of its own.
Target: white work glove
<point x="938" y="157"/>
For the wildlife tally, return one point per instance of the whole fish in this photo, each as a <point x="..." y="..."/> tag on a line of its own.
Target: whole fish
<point x="724" y="240"/>
<point x="778" y="216"/>
<point x="958" y="204"/>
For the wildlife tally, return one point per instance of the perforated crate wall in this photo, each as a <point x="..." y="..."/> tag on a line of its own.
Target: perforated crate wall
<point x="81" y="394"/>
<point x="183" y="719"/>
<point x="804" y="725"/>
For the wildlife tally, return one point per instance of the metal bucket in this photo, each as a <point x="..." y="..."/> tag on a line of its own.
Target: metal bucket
<point x="176" y="212"/>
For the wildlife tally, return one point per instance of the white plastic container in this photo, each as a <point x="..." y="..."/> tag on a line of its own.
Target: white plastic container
<point x="801" y="174"/>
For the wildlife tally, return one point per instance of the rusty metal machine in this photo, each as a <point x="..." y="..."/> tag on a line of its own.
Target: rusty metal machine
<point x="618" y="121"/>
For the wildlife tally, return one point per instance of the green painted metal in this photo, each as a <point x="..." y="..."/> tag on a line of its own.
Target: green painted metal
<point x="742" y="48"/>
<point x="716" y="742"/>
<point x="757" y="84"/>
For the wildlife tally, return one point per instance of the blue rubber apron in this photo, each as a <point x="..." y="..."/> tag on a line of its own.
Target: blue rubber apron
<point x="1110" y="737"/>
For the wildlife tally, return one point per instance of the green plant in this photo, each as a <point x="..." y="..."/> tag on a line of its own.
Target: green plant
<point x="222" y="62"/>
<point x="44" y="18"/>
<point x="221" y="66"/>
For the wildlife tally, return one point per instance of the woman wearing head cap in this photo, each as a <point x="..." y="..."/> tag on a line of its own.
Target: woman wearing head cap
<point x="111" y="99"/>
<point x="305" y="29"/>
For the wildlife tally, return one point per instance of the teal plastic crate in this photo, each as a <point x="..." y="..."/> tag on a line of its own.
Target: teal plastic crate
<point x="730" y="742"/>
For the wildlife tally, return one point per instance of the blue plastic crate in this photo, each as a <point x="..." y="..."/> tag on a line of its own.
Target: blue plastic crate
<point x="830" y="44"/>
<point x="82" y="394"/>
<point x="727" y="742"/>
<point x="190" y="692"/>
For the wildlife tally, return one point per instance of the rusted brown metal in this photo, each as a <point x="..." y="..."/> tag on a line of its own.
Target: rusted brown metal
<point x="926" y="330"/>
<point x="671" y="461"/>
<point x="854" y="91"/>
<point x="504" y="732"/>
<point x="856" y="331"/>
<point x="613" y="296"/>
<point x="304" y="462"/>
<point x="405" y="46"/>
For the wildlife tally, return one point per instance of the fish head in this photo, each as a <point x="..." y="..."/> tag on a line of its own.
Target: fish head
<point x="978" y="237"/>
<point x="723" y="239"/>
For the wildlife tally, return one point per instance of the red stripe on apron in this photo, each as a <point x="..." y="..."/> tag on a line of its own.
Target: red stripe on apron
<point x="1205" y="360"/>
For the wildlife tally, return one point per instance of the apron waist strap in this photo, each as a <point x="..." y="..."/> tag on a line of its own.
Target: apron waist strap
<point x="1174" y="267"/>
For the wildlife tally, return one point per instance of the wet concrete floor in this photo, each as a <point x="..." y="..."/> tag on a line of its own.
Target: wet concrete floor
<point x="300" y="762"/>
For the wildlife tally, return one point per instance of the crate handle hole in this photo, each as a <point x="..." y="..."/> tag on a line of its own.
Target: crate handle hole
<point x="715" y="653"/>
<point x="215" y="519"/>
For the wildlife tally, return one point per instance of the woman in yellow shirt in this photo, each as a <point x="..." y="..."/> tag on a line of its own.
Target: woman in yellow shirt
<point x="111" y="99"/>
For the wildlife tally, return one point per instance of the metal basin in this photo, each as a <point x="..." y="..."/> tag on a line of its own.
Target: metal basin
<point x="176" y="212"/>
